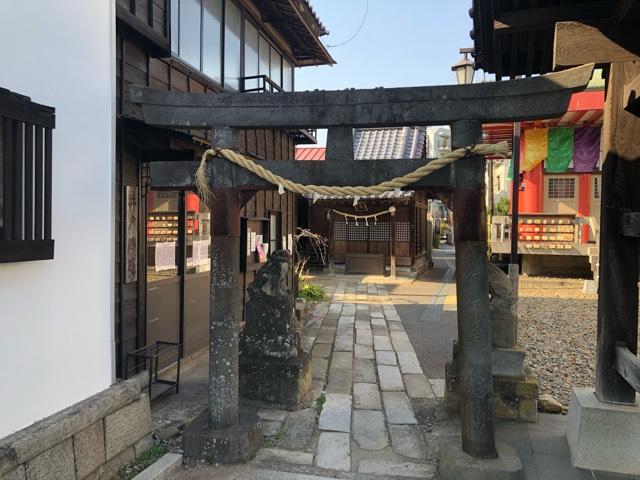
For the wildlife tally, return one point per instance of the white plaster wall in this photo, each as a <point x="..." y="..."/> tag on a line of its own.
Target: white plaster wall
<point x="56" y="334"/>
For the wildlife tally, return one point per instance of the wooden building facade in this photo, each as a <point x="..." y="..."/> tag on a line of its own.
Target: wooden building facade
<point x="396" y="241"/>
<point x="389" y="232"/>
<point x="163" y="239"/>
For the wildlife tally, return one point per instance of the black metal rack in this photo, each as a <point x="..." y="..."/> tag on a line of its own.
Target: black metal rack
<point x="151" y="354"/>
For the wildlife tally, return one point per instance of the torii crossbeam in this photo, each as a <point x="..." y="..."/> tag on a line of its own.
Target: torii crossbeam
<point x="464" y="107"/>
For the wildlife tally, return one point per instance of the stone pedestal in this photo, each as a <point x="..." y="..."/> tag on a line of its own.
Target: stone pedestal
<point x="456" y="465"/>
<point x="508" y="362"/>
<point x="286" y="383"/>
<point x="603" y="436"/>
<point x="514" y="398"/>
<point x="236" y="444"/>
<point x="273" y="366"/>
<point x="515" y="391"/>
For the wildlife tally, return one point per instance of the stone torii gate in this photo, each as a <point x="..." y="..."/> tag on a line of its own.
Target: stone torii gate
<point x="229" y="435"/>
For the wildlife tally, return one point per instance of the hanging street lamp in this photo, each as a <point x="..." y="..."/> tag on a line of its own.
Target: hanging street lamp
<point x="465" y="68"/>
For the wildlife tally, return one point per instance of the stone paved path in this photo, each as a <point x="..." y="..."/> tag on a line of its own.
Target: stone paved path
<point x="367" y="384"/>
<point x="377" y="421"/>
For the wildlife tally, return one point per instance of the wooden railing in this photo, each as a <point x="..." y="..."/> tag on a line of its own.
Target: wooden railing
<point x="26" y="172"/>
<point x="259" y="83"/>
<point x="262" y="83"/>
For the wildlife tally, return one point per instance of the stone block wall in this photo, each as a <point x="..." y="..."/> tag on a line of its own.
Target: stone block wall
<point x="89" y="440"/>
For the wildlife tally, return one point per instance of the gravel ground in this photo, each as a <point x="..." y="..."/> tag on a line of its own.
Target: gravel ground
<point x="557" y="328"/>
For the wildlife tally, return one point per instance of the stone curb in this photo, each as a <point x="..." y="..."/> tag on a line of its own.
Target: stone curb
<point x="162" y="469"/>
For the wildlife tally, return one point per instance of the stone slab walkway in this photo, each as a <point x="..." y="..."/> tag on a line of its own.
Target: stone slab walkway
<point x="379" y="348"/>
<point x="370" y="393"/>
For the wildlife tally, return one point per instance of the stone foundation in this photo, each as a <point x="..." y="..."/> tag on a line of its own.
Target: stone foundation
<point x="89" y="440"/>
<point x="515" y="391"/>
<point x="286" y="383"/>
<point x="603" y="436"/>
<point x="513" y="399"/>
<point x="236" y="444"/>
<point x="457" y="465"/>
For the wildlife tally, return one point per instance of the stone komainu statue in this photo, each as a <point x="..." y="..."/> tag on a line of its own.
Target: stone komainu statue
<point x="270" y="326"/>
<point x="502" y="309"/>
<point x="273" y="367"/>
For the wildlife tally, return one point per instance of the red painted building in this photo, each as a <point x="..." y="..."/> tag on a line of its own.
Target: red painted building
<point x="559" y="207"/>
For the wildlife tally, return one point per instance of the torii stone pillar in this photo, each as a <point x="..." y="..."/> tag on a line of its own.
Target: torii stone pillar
<point x="223" y="434"/>
<point x="472" y="288"/>
<point x="479" y="453"/>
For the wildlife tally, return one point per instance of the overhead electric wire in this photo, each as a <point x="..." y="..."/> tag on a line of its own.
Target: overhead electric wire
<point x="366" y="11"/>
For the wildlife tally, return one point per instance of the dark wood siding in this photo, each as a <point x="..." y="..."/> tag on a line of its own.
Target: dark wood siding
<point x="149" y="21"/>
<point x="136" y="64"/>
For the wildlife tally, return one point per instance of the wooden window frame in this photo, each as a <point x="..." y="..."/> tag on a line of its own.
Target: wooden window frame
<point x="26" y="179"/>
<point x="559" y="195"/>
<point x="244" y="17"/>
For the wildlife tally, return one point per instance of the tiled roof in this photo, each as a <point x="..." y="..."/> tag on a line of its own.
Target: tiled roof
<point x="377" y="143"/>
<point x="310" y="153"/>
<point x="403" y="142"/>
<point x="297" y="22"/>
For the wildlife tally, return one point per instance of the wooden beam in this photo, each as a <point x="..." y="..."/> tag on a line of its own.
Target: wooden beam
<point x="168" y="155"/>
<point x="631" y="97"/>
<point x="628" y="366"/>
<point x="627" y="11"/>
<point x="630" y="224"/>
<point x="619" y="260"/>
<point x="622" y="135"/>
<point x="577" y="43"/>
<point x="537" y="18"/>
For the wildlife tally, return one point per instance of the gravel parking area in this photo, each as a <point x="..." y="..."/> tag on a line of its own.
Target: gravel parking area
<point x="557" y="328"/>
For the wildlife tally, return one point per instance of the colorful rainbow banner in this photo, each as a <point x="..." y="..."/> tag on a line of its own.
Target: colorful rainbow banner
<point x="558" y="146"/>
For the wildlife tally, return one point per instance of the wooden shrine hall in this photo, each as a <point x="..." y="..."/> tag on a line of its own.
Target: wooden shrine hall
<point x="464" y="107"/>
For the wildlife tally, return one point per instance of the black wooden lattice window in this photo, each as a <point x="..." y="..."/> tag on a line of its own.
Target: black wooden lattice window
<point x="380" y="231"/>
<point x="373" y="232"/>
<point x="403" y="232"/>
<point x="339" y="231"/>
<point x="25" y="178"/>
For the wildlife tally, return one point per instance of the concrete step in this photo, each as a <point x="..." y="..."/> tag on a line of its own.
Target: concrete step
<point x="164" y="468"/>
<point x="265" y="474"/>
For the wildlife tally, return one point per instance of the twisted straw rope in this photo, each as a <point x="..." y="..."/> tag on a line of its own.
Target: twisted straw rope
<point x="204" y="190"/>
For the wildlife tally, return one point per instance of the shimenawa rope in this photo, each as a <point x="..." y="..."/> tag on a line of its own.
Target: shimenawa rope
<point x="204" y="189"/>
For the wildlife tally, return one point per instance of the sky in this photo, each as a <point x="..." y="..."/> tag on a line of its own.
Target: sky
<point x="402" y="43"/>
